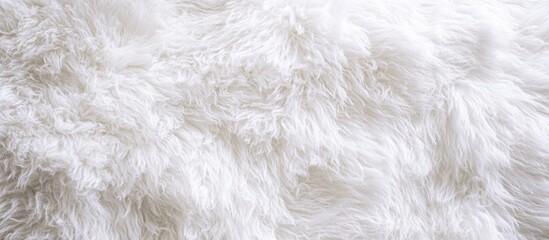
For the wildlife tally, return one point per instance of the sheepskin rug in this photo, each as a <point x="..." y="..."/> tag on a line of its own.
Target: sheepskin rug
<point x="275" y="119"/>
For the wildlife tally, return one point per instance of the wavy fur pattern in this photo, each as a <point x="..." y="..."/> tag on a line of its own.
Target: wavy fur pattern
<point x="251" y="119"/>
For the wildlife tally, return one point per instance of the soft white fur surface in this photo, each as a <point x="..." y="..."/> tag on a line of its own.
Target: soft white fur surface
<point x="249" y="119"/>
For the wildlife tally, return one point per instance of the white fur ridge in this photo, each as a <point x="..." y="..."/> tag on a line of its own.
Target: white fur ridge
<point x="175" y="119"/>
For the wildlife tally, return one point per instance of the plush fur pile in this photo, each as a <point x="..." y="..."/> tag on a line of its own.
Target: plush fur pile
<point x="216" y="119"/>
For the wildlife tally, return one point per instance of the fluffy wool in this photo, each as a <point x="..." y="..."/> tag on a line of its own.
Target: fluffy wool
<point x="249" y="119"/>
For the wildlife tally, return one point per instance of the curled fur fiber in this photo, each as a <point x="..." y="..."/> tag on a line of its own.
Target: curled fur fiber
<point x="276" y="119"/>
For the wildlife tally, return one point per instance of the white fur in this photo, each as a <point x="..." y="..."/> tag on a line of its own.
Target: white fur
<point x="175" y="119"/>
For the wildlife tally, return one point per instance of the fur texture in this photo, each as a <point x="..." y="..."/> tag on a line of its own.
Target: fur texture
<point x="215" y="119"/>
